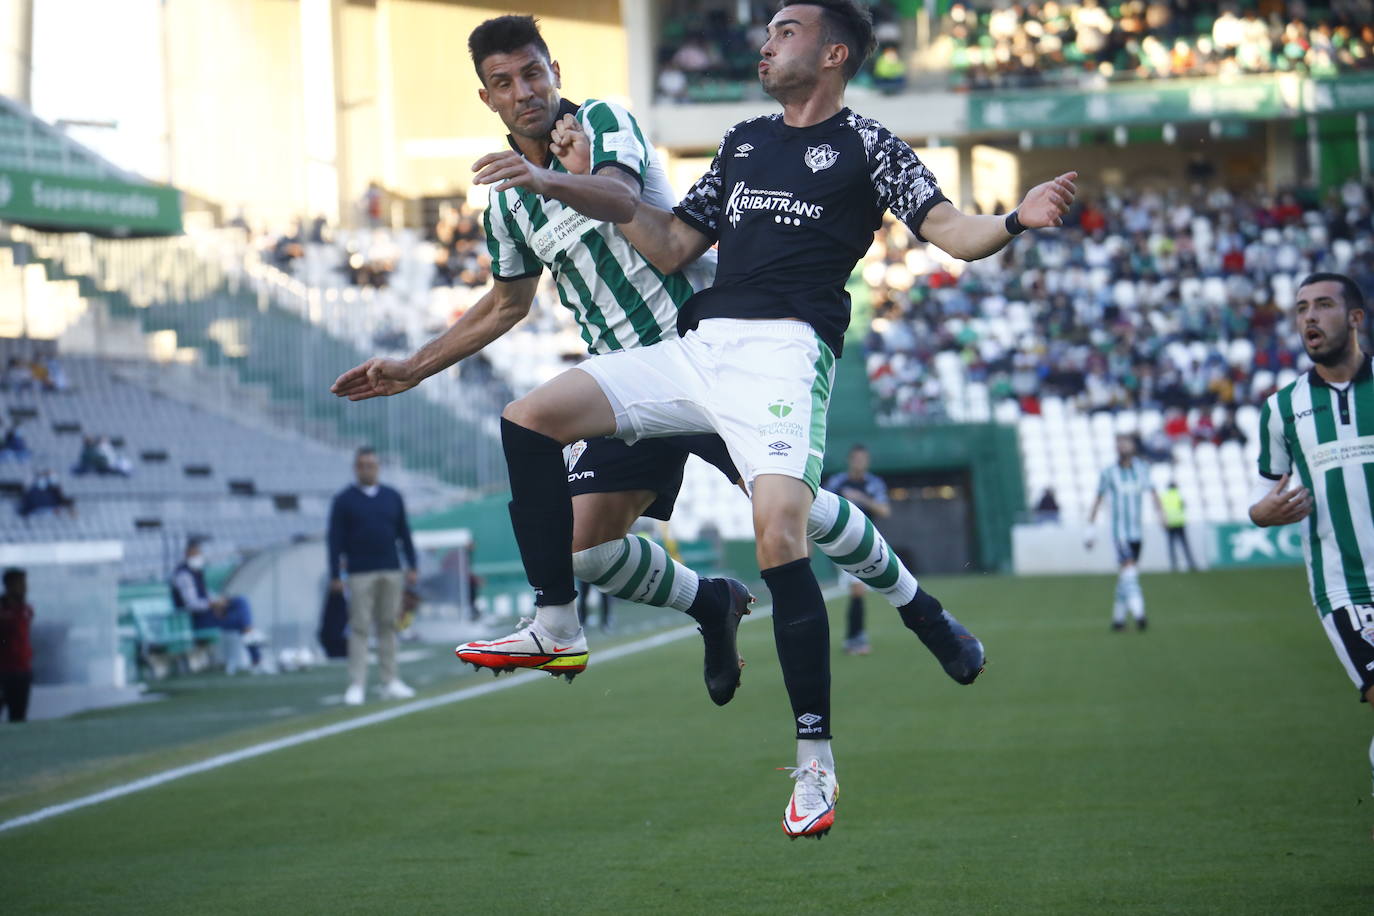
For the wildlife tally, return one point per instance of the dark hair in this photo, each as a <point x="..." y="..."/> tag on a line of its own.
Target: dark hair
<point x="1350" y="290"/>
<point x="844" y="22"/>
<point x="13" y="573"/>
<point x="363" y="452"/>
<point x="192" y="543"/>
<point x="503" y="35"/>
<point x="857" y="447"/>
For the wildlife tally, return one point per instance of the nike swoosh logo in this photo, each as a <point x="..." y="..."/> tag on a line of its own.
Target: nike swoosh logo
<point x="504" y="642"/>
<point x="561" y="648"/>
<point x="792" y="813"/>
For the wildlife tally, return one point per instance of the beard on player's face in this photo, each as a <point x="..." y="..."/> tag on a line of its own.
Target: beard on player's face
<point x="1328" y="347"/>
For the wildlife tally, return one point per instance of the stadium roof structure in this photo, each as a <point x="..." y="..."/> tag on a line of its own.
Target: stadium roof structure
<point x="50" y="181"/>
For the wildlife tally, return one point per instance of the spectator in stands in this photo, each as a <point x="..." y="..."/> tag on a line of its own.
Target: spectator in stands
<point x="89" y="461"/>
<point x="112" y="459"/>
<point x="54" y="377"/>
<point x="13" y="447"/>
<point x="16" y="648"/>
<point x="45" y="494"/>
<point x="99" y="456"/>
<point x="1047" y="510"/>
<point x="19" y="376"/>
<point x="233" y="616"/>
<point x="368" y="533"/>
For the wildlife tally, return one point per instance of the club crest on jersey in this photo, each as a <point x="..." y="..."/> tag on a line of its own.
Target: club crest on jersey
<point x="573" y="453"/>
<point x="820" y="157"/>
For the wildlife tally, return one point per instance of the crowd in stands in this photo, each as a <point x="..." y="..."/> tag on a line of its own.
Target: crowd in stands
<point x="1166" y="301"/>
<point x="983" y="44"/>
<point x="460" y="251"/>
<point x="992" y="46"/>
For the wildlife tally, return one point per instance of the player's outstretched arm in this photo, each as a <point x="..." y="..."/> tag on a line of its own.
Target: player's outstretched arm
<point x="608" y="195"/>
<point x="668" y="242"/>
<point x="969" y="236"/>
<point x="493" y="315"/>
<point x="1276" y="507"/>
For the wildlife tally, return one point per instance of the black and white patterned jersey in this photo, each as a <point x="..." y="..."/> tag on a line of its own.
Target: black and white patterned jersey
<point x="794" y="208"/>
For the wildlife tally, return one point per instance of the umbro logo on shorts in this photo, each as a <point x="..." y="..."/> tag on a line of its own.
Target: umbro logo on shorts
<point x="779" y="446"/>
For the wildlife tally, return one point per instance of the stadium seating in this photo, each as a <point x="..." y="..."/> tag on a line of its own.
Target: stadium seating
<point x="200" y="298"/>
<point x="196" y="471"/>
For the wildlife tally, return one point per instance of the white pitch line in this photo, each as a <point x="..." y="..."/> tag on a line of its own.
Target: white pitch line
<point x="339" y="728"/>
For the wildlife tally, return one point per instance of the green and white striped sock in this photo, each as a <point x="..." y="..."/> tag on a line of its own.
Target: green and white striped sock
<point x="847" y="536"/>
<point x="637" y="569"/>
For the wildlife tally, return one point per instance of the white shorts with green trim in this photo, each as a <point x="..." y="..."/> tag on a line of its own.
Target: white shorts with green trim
<point x="762" y="386"/>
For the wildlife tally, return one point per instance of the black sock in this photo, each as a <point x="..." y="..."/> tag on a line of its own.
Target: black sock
<point x="921" y="611"/>
<point x="540" y="511"/>
<point x="801" y="629"/>
<point x="854" y="620"/>
<point x="706" y="608"/>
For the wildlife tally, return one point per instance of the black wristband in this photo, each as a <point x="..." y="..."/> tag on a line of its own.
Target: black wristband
<point x="1014" y="224"/>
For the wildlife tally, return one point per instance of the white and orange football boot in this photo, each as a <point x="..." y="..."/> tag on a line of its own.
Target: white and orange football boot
<point x="530" y="646"/>
<point x="811" y="810"/>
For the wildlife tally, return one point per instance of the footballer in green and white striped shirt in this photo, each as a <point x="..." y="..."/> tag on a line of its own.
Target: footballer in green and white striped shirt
<point x="1123" y="486"/>
<point x="1321" y="428"/>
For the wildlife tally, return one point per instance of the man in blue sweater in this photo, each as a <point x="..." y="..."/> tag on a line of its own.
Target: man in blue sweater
<point x="368" y="531"/>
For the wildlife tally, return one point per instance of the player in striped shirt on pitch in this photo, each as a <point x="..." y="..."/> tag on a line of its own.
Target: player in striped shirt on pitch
<point x="620" y="302"/>
<point x="1321" y="427"/>
<point x="1125" y="485"/>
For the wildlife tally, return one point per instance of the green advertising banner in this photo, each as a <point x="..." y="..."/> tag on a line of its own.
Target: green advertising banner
<point x="1240" y="545"/>
<point x="1147" y="103"/>
<point x="1351" y="92"/>
<point x="92" y="206"/>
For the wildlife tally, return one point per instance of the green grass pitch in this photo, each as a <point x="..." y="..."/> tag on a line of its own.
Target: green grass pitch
<point x="1214" y="764"/>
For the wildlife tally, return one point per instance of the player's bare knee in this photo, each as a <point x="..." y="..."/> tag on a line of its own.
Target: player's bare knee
<point x="523" y="413"/>
<point x="777" y="544"/>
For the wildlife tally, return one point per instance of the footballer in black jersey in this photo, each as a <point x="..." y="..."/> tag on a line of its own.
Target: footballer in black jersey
<point x="792" y="200"/>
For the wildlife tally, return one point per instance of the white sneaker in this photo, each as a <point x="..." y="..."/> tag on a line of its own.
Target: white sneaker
<point x="397" y="690"/>
<point x="811" y="811"/>
<point x="354" y="695"/>
<point x="528" y="647"/>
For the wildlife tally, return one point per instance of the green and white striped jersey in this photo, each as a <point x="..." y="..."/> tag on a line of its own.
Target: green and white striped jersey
<point x="619" y="299"/>
<point x="1125" y="489"/>
<point x="1325" y="434"/>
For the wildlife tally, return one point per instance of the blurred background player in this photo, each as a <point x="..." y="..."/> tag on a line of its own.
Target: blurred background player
<point x="1321" y="426"/>
<point x="368" y="533"/>
<point x="1125" y="483"/>
<point x="867" y="491"/>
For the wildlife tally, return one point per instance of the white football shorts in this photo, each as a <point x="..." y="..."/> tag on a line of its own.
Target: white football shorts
<point x="762" y="386"/>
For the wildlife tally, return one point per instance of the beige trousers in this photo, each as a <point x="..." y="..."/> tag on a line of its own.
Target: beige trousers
<point x="374" y="599"/>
